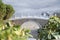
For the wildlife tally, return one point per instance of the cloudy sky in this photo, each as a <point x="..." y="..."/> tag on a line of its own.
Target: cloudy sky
<point x="33" y="7"/>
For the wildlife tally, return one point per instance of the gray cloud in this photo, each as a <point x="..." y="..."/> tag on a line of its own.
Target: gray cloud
<point x="33" y="6"/>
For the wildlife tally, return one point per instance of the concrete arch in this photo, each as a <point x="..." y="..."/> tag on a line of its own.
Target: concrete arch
<point x="33" y="26"/>
<point x="38" y="22"/>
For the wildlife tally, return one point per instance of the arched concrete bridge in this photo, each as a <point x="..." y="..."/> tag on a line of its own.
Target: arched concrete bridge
<point x="34" y="24"/>
<point x="38" y="21"/>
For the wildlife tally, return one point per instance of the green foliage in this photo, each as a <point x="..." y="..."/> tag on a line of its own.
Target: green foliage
<point x="6" y="11"/>
<point x="51" y="30"/>
<point x="12" y="32"/>
<point x="2" y="10"/>
<point x="9" y="12"/>
<point x="8" y="31"/>
<point x="0" y="1"/>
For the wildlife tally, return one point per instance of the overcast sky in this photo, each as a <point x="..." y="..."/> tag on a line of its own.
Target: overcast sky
<point x="34" y="6"/>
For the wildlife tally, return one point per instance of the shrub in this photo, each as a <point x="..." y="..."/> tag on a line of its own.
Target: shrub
<point x="9" y="31"/>
<point x="51" y="30"/>
<point x="13" y="32"/>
